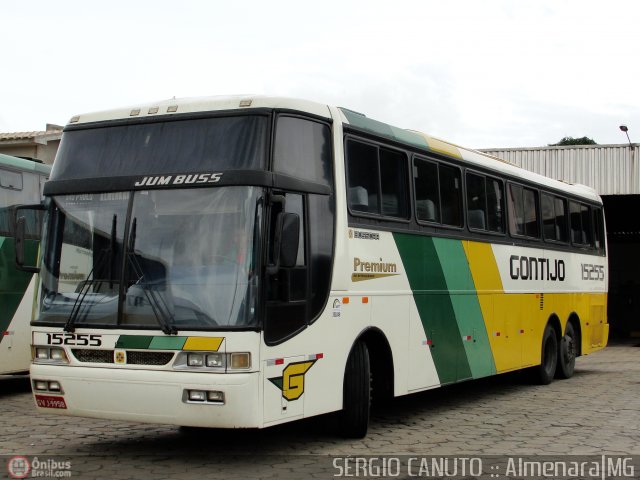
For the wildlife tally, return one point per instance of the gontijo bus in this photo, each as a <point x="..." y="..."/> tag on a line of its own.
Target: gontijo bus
<point x="246" y="261"/>
<point x="21" y="182"/>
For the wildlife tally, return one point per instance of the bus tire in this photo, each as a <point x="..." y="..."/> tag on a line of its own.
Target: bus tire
<point x="567" y="353"/>
<point x="547" y="369"/>
<point x="354" y="417"/>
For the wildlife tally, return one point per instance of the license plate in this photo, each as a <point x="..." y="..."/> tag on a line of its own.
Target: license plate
<point x="47" y="401"/>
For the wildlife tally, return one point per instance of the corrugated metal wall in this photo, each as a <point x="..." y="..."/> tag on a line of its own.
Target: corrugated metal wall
<point x="609" y="169"/>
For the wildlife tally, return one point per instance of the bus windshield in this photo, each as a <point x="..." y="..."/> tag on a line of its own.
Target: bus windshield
<point x="174" y="259"/>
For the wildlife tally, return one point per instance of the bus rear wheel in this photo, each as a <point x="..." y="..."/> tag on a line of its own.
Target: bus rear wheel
<point x="547" y="368"/>
<point x="567" y="351"/>
<point x="354" y="417"/>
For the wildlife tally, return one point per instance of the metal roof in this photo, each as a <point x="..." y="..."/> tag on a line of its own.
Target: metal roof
<point x="609" y="169"/>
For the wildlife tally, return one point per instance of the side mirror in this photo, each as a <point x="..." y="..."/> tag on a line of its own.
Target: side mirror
<point x="287" y="235"/>
<point x="20" y="223"/>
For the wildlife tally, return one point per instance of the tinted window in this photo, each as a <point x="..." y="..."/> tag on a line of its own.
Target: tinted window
<point x="176" y="146"/>
<point x="476" y="202"/>
<point x="554" y="218"/>
<point x="303" y="149"/>
<point x="363" y="177"/>
<point x="581" y="229"/>
<point x="376" y="180"/>
<point x="599" y="230"/>
<point x="425" y="178"/>
<point x="484" y="203"/>
<point x="451" y="195"/>
<point x="393" y="182"/>
<point x="523" y="211"/>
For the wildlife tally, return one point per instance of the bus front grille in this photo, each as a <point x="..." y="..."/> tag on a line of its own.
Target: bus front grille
<point x="149" y="358"/>
<point x="132" y="357"/>
<point x="93" y="356"/>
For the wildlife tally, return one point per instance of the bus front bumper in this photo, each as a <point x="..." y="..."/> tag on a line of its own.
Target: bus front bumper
<point x="151" y="396"/>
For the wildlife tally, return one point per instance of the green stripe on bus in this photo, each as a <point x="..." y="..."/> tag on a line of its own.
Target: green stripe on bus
<point x="13" y="282"/>
<point x="466" y="306"/>
<point x="167" y="343"/>
<point x="140" y="342"/>
<point x="435" y="306"/>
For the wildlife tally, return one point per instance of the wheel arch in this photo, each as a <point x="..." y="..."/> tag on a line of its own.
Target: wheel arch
<point x="574" y="320"/>
<point x="381" y="362"/>
<point x="554" y="322"/>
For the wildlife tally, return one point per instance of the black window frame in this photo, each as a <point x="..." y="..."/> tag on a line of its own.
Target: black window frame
<point x="407" y="193"/>
<point x="599" y="229"/>
<point x="591" y="232"/>
<point x="438" y="164"/>
<point x="536" y="191"/>
<point x="567" y="228"/>
<point x="486" y="177"/>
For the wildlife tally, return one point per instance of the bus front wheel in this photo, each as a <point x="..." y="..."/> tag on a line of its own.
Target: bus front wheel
<point x="547" y="369"/>
<point x="354" y="417"/>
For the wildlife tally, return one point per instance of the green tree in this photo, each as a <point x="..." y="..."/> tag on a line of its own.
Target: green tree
<point x="574" y="141"/>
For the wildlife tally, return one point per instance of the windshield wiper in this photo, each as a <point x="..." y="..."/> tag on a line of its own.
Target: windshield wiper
<point x="87" y="284"/>
<point x="158" y="305"/>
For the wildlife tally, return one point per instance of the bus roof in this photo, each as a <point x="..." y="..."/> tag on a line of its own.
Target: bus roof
<point x="410" y="137"/>
<point x="23" y="164"/>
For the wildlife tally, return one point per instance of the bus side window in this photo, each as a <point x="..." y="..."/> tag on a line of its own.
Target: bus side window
<point x="393" y="182"/>
<point x="425" y="178"/>
<point x="476" y="202"/>
<point x="523" y="211"/>
<point x="376" y="180"/>
<point x="599" y="230"/>
<point x="363" y="177"/>
<point x="581" y="227"/>
<point x="450" y="195"/>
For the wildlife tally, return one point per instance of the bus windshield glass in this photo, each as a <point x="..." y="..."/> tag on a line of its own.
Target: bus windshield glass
<point x="170" y="259"/>
<point x="164" y="147"/>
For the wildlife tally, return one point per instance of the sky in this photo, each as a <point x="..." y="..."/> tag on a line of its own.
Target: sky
<point x="482" y="74"/>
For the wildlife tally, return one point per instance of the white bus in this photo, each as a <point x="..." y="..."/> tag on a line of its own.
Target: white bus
<point x="21" y="182"/>
<point x="241" y="262"/>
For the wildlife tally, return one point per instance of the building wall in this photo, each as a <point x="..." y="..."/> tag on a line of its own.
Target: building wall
<point x="45" y="153"/>
<point x="610" y="169"/>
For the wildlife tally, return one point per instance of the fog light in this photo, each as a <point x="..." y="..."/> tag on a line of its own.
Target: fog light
<point x="197" y="396"/>
<point x="240" y="360"/>
<point x="54" y="386"/>
<point x="215" y="360"/>
<point x="215" y="397"/>
<point x="42" y="353"/>
<point x="195" y="360"/>
<point x="40" y="385"/>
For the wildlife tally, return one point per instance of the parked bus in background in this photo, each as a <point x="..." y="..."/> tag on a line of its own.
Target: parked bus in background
<point x="243" y="262"/>
<point x="21" y="182"/>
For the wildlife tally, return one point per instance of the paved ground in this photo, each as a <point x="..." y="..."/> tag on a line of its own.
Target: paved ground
<point x="596" y="412"/>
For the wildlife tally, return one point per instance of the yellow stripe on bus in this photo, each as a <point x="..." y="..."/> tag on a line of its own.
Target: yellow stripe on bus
<point x="211" y="344"/>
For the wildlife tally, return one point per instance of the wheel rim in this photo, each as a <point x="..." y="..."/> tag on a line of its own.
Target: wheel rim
<point x="570" y="350"/>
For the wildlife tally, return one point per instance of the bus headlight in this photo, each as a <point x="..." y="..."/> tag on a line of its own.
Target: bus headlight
<point x="195" y="360"/>
<point x="49" y="355"/>
<point x="213" y="361"/>
<point x="216" y="360"/>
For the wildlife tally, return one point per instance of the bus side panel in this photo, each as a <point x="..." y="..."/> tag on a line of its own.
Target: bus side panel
<point x="435" y="305"/>
<point x="466" y="306"/>
<point x="16" y="298"/>
<point x="15" y="348"/>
